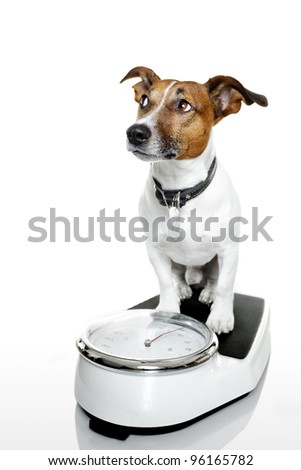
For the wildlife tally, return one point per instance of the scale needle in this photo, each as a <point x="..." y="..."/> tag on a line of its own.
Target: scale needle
<point x="148" y="342"/>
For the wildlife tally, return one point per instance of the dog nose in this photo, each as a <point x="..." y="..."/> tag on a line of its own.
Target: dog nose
<point x="138" y="133"/>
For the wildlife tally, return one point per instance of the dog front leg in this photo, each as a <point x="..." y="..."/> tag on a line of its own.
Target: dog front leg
<point x="221" y="318"/>
<point x="169" y="300"/>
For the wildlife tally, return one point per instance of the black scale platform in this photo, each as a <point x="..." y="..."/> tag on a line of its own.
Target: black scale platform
<point x="248" y="312"/>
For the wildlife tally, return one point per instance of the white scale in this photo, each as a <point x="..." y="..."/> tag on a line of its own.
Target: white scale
<point x="148" y="369"/>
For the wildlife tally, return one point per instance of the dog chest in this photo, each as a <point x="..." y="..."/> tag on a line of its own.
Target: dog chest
<point x="185" y="240"/>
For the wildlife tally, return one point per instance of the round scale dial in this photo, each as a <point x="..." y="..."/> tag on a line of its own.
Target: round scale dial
<point x="147" y="340"/>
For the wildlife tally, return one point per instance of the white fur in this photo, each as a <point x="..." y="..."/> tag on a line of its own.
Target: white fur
<point x="218" y="200"/>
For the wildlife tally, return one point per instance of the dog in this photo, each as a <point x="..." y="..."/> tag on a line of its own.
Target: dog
<point x="186" y="183"/>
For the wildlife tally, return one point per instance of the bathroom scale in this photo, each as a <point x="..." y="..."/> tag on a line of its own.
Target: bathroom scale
<point x="142" y="371"/>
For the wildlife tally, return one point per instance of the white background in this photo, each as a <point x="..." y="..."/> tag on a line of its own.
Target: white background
<point x="63" y="122"/>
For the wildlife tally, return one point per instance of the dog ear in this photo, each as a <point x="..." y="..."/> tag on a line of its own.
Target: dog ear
<point x="148" y="77"/>
<point x="227" y="93"/>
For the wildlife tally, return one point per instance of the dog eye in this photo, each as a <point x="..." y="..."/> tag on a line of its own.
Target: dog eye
<point x="183" y="106"/>
<point x="143" y="101"/>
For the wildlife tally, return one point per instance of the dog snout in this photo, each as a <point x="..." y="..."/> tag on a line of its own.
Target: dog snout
<point x="137" y="134"/>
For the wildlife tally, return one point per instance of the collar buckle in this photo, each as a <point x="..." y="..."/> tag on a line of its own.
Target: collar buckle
<point x="176" y="202"/>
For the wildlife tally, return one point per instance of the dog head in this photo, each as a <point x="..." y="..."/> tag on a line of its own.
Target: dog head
<point x="175" y="118"/>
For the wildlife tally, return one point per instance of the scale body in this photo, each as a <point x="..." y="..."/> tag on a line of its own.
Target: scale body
<point x="169" y="396"/>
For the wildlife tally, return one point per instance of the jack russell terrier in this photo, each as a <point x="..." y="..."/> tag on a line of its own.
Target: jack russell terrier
<point x="173" y="132"/>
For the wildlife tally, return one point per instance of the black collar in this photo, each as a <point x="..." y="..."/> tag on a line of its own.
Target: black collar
<point x="178" y="197"/>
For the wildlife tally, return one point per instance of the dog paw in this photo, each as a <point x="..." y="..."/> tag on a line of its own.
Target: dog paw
<point x="207" y="295"/>
<point x="184" y="291"/>
<point x="169" y="308"/>
<point x="220" y="322"/>
<point x="169" y="304"/>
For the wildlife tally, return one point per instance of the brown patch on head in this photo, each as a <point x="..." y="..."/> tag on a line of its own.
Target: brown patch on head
<point x="188" y="131"/>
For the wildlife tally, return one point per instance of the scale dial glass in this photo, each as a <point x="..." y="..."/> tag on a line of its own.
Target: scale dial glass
<point x="147" y="340"/>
